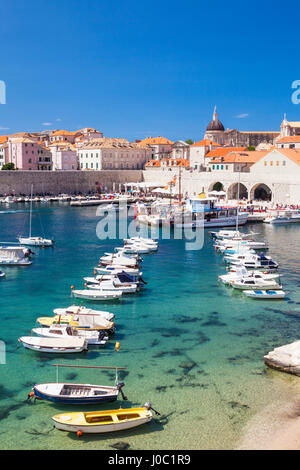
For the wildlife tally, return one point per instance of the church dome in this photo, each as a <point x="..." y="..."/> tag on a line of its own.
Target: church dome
<point x="215" y="124"/>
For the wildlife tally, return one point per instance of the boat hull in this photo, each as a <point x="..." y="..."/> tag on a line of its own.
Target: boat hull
<point x="74" y="400"/>
<point x="102" y="428"/>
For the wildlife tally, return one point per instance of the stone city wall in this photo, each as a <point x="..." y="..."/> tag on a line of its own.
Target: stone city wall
<point x="69" y="182"/>
<point x="284" y="190"/>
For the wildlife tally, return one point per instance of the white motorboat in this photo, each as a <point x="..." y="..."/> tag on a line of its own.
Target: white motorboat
<point x="99" y="294"/>
<point x="118" y="269"/>
<point x="34" y="241"/>
<point x="142" y="243"/>
<point x="119" y="260"/>
<point x="232" y="235"/>
<point x="80" y="322"/>
<point x="111" y="286"/>
<point x="283" y="216"/>
<point x="14" y="256"/>
<point x="63" y="331"/>
<point x="241" y="272"/>
<point x="54" y="345"/>
<point x="2" y="274"/>
<point x="238" y="245"/>
<point x="265" y="294"/>
<point x="133" y="249"/>
<point x="76" y="309"/>
<point x="119" y="279"/>
<point x="147" y="241"/>
<point x="253" y="262"/>
<point x="248" y="283"/>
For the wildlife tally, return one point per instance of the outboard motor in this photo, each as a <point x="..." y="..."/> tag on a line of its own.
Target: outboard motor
<point x="148" y="406"/>
<point x="120" y="385"/>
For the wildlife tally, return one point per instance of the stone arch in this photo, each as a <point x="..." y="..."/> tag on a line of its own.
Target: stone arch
<point x="261" y="191"/>
<point x="216" y="186"/>
<point x="233" y="190"/>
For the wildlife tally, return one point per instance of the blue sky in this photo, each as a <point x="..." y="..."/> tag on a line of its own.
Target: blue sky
<point x="137" y="68"/>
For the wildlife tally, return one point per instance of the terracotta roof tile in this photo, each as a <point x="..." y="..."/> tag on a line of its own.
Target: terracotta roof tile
<point x="156" y="140"/>
<point x="205" y="143"/>
<point x="291" y="138"/>
<point x="220" y="152"/>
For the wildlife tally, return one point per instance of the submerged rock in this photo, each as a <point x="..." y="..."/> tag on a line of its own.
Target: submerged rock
<point x="120" y="445"/>
<point x="285" y="358"/>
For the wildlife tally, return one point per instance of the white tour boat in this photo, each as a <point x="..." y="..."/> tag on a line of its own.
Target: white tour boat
<point x="202" y="212"/>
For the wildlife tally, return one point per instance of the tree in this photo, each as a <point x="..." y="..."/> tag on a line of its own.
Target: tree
<point x="189" y="141"/>
<point x="251" y="148"/>
<point x="8" y="166"/>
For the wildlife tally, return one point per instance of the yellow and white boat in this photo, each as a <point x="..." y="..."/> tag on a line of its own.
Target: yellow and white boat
<point x="103" y="421"/>
<point x="76" y="321"/>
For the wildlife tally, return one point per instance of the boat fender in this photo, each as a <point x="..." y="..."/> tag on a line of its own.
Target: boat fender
<point x="72" y="287"/>
<point x="117" y="346"/>
<point x="79" y="434"/>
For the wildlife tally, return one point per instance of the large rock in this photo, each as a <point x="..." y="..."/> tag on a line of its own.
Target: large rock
<point x="285" y="358"/>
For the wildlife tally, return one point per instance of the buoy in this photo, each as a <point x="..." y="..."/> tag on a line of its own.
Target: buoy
<point x="85" y="284"/>
<point x="95" y="272"/>
<point x="30" y="395"/>
<point x="117" y="347"/>
<point x="79" y="434"/>
<point x="72" y="287"/>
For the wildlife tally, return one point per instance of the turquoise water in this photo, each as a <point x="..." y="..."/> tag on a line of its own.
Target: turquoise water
<point x="192" y="347"/>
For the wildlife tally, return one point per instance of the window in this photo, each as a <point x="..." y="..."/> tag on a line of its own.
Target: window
<point x="265" y="163"/>
<point x="92" y="165"/>
<point x="217" y="167"/>
<point x="277" y="163"/>
<point x="221" y="167"/>
<point x="97" y="165"/>
<point x="283" y="163"/>
<point x="271" y="163"/>
<point x="213" y="167"/>
<point x="29" y="160"/>
<point x="226" y="167"/>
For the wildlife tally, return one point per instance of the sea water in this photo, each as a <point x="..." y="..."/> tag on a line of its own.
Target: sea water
<point x="192" y="347"/>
